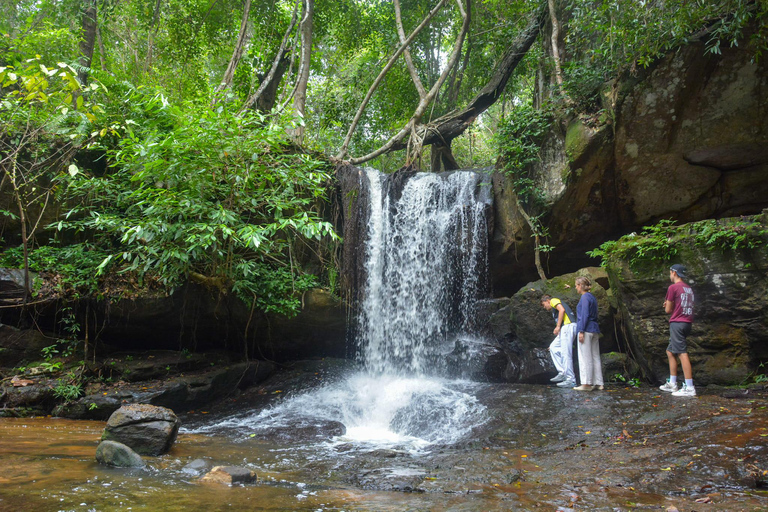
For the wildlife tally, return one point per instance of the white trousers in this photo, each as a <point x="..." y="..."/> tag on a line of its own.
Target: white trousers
<point x="562" y="350"/>
<point x="590" y="366"/>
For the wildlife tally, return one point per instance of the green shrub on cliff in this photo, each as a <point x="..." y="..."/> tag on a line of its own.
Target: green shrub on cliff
<point x="662" y="242"/>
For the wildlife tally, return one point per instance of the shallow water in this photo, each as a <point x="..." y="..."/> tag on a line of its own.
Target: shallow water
<point x="537" y="448"/>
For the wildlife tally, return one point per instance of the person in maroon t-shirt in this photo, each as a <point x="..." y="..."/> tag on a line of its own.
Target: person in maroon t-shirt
<point x="679" y="303"/>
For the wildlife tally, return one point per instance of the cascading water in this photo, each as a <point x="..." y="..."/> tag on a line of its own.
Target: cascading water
<point x="425" y="266"/>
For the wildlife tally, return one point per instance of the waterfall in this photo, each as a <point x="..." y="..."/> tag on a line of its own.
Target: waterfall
<point x="425" y="267"/>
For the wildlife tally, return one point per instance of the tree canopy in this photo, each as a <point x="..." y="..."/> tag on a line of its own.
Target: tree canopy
<point x="194" y="138"/>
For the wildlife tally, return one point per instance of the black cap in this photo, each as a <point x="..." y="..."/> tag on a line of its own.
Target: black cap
<point x="680" y="270"/>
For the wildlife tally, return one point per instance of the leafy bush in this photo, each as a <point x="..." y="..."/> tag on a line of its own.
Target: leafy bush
<point x="519" y="142"/>
<point x="661" y="242"/>
<point x="211" y="195"/>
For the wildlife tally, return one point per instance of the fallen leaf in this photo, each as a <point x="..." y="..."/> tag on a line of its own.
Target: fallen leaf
<point x="666" y="469"/>
<point x="20" y="383"/>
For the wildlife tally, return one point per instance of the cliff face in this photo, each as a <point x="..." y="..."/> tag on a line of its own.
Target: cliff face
<point x="688" y="140"/>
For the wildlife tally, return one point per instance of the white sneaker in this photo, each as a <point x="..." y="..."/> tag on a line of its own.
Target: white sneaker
<point x="685" y="391"/>
<point x="669" y="387"/>
<point x="568" y="383"/>
<point x="560" y="377"/>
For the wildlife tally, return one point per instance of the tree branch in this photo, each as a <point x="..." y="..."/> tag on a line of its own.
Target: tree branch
<point x="380" y="77"/>
<point x="448" y="127"/>
<point x="453" y="124"/>
<point x="407" y="53"/>
<point x="237" y="54"/>
<point x="424" y="102"/>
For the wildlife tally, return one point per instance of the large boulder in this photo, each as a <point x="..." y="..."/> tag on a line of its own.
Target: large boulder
<point x="17" y="345"/>
<point x="112" y="453"/>
<point x="147" y="429"/>
<point x="522" y="319"/>
<point x="729" y="339"/>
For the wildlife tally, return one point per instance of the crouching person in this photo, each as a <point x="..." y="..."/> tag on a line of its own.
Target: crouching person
<point x="561" y="348"/>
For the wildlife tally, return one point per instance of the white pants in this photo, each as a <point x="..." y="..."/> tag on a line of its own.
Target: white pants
<point x="562" y="351"/>
<point x="590" y="366"/>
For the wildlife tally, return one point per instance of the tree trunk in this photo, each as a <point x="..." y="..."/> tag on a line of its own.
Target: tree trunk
<point x="237" y="54"/>
<point x="102" y="58"/>
<point x="272" y="75"/>
<point x="89" y="38"/>
<point x="151" y="36"/>
<point x="442" y="158"/>
<point x="266" y="102"/>
<point x="300" y="97"/>
<point x="536" y="237"/>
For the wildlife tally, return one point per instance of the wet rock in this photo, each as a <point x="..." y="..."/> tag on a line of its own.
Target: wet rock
<point x="196" y="467"/>
<point x="17" y="345"/>
<point x="112" y="453"/>
<point x="392" y="479"/>
<point x="194" y="316"/>
<point x="615" y="363"/>
<point x="388" y="454"/>
<point x="305" y="431"/>
<point x="38" y="394"/>
<point x="90" y="407"/>
<point x="176" y="391"/>
<point x="229" y="475"/>
<point x="12" y="288"/>
<point x="476" y="360"/>
<point x="147" y="429"/>
<point x="531" y="367"/>
<point x="532" y="325"/>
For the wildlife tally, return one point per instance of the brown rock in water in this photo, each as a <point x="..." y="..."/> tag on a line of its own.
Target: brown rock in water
<point x="229" y="475"/>
<point x="147" y="429"/>
<point x="111" y="453"/>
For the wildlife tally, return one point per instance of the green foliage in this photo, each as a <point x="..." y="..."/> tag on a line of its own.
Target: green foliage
<point x="519" y="142"/>
<point x="661" y="242"/>
<point x="67" y="391"/>
<point x="619" y="377"/>
<point x="74" y="265"/>
<point x="747" y="234"/>
<point x="176" y="204"/>
<point x="609" y="37"/>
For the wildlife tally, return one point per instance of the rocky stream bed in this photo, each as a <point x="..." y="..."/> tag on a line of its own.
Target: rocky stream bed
<point x="534" y="447"/>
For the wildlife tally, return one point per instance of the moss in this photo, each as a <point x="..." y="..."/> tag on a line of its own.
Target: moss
<point x="736" y="242"/>
<point x="576" y="140"/>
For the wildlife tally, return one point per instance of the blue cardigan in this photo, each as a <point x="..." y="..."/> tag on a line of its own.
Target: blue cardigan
<point x="586" y="312"/>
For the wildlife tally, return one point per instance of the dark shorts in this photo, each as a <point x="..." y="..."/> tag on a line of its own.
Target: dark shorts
<point x="678" y="332"/>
